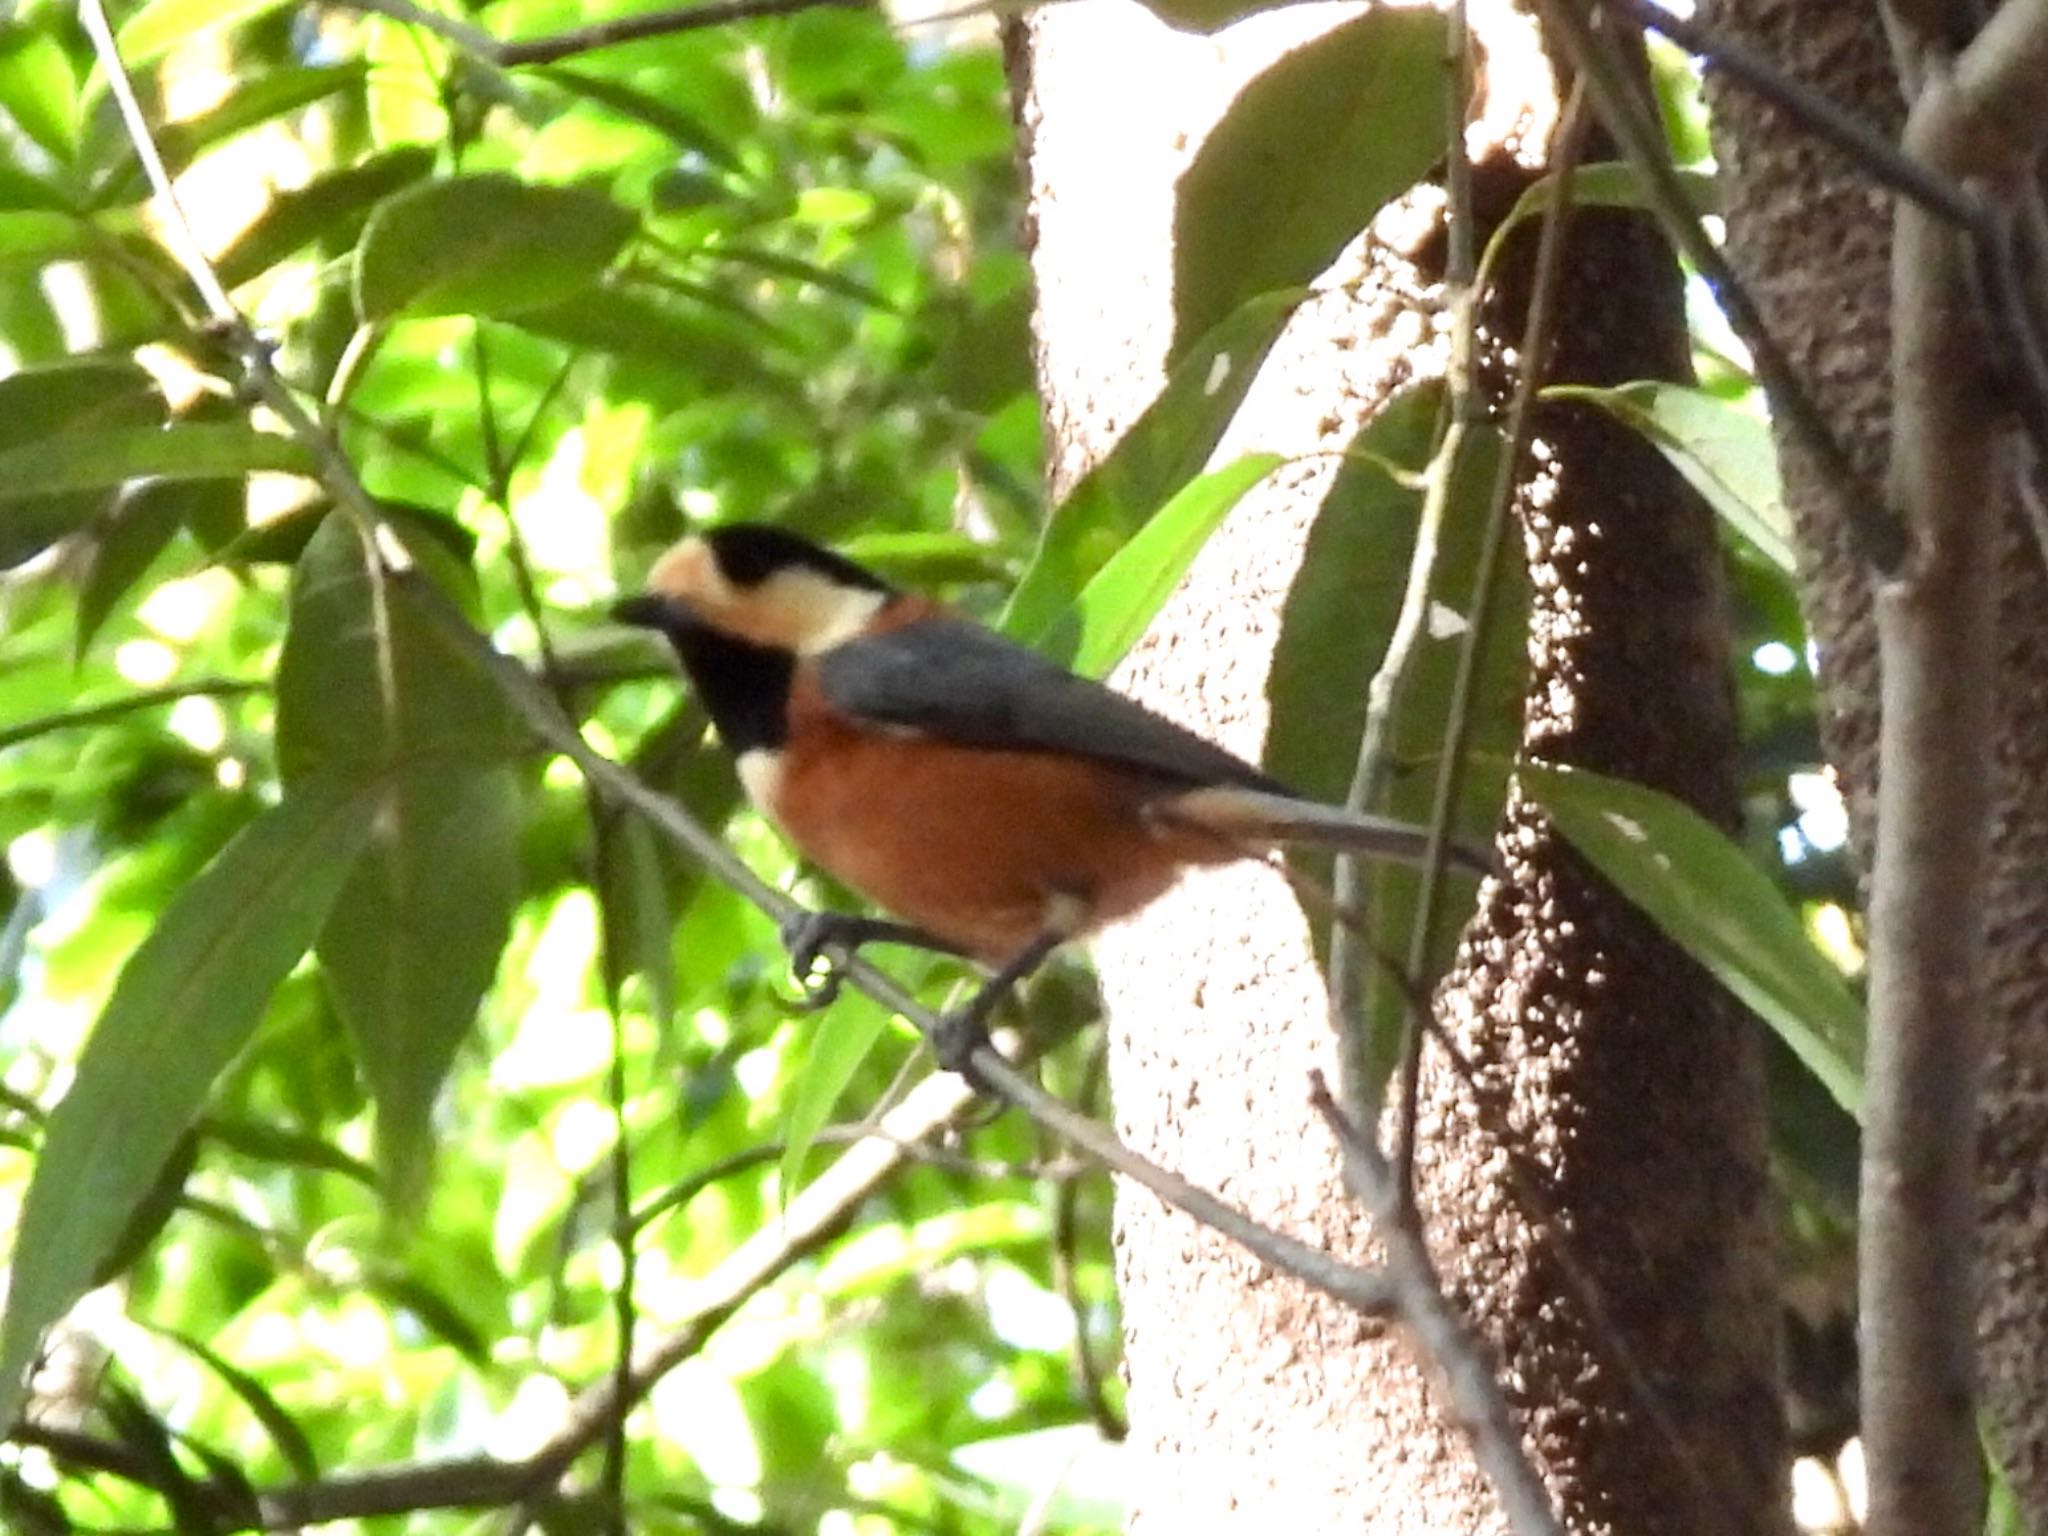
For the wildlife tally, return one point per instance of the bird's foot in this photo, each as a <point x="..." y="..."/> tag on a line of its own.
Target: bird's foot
<point x="808" y="935"/>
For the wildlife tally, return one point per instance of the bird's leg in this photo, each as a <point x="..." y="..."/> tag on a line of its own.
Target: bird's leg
<point x="807" y="936"/>
<point x="956" y="1034"/>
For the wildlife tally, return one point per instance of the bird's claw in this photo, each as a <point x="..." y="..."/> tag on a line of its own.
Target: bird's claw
<point x="807" y="936"/>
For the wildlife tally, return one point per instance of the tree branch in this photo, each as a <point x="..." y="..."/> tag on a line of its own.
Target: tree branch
<point x="1981" y="115"/>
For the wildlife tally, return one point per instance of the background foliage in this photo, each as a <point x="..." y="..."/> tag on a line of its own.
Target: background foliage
<point x="469" y="1049"/>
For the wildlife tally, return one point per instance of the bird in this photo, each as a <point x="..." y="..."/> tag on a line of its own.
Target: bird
<point x="993" y="803"/>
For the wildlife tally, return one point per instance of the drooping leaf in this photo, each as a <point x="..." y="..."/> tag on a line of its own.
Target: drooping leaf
<point x="1127" y="593"/>
<point x="1603" y="184"/>
<point x="332" y="207"/>
<point x="185" y="1004"/>
<point x="1207" y="15"/>
<point x="835" y="1055"/>
<point x="121" y="544"/>
<point x="368" y="692"/>
<point x="1709" y="899"/>
<point x="1723" y="451"/>
<point x="1164" y="449"/>
<point x="1336" y="625"/>
<point x="1307" y="154"/>
<point x="487" y="244"/>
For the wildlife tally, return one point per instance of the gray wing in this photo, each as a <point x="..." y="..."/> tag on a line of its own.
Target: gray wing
<point x="959" y="682"/>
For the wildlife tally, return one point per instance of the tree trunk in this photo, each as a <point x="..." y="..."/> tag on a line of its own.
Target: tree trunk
<point x="1622" y="1097"/>
<point x="1811" y="235"/>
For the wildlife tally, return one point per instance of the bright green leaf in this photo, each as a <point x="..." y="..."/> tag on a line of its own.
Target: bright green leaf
<point x="185" y="1004"/>
<point x="488" y="244"/>
<point x="838" y="1048"/>
<point x="1307" y="154"/>
<point x="1723" y="451"/>
<point x="367" y="691"/>
<point x="1128" y="592"/>
<point x="38" y="88"/>
<point x="1164" y="449"/>
<point x="1698" y="887"/>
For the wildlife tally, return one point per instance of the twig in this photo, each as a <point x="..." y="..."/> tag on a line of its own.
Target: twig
<point x="128" y="704"/>
<point x="1476" y="1401"/>
<point x="1826" y="118"/>
<point x="557" y="46"/>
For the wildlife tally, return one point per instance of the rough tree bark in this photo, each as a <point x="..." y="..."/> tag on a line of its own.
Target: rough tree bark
<point x="1812" y="237"/>
<point x="1628" y="1089"/>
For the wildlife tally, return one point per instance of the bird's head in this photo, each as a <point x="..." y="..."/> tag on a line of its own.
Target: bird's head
<point x="758" y="584"/>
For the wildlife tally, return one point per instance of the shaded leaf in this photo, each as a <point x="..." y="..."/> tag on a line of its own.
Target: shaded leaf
<point x="100" y="460"/>
<point x="1164" y="449"/>
<point x="283" y="1429"/>
<point x="185" y="1003"/>
<point x="1311" y="149"/>
<point x="121" y="544"/>
<point x="55" y="413"/>
<point x="1723" y="451"/>
<point x="1700" y="889"/>
<point x="333" y="207"/>
<point x="369" y="693"/>
<point x="1335" y="627"/>
<point x="487" y="244"/>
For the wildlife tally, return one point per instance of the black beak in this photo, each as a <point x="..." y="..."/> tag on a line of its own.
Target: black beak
<point x="651" y="610"/>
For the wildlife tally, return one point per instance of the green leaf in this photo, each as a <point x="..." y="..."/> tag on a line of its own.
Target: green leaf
<point x="487" y="244"/>
<point x="252" y="103"/>
<point x="38" y="88"/>
<point x="283" y="1429"/>
<point x="699" y="349"/>
<point x="59" y="411"/>
<point x="369" y="693"/>
<point x="1164" y="449"/>
<point x="1207" y="15"/>
<point x="122" y="544"/>
<point x="1335" y="627"/>
<point x="1128" y="592"/>
<point x="639" y="921"/>
<point x="162" y="24"/>
<point x="41" y="236"/>
<point x="185" y="1004"/>
<point x="1698" y="887"/>
<point x="1603" y="184"/>
<point x="333" y="208"/>
<point x="1307" y="154"/>
<point x="100" y="460"/>
<point x="1722" y="450"/>
<point x="837" y="1050"/>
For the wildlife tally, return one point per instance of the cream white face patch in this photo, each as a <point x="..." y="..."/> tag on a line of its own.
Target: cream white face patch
<point x="760" y="775"/>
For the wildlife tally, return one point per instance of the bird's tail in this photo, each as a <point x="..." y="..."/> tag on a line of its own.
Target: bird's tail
<point x="1262" y="818"/>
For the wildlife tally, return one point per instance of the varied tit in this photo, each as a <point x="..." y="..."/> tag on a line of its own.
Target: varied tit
<point x="995" y="802"/>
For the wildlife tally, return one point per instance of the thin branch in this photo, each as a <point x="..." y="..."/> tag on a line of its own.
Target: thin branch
<point x="128" y="704"/>
<point x="556" y="46"/>
<point x="1476" y="1401"/>
<point x="1356" y="1077"/>
<point x="1826" y="118"/>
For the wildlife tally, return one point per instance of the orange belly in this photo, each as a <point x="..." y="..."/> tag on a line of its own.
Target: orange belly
<point x="985" y="849"/>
